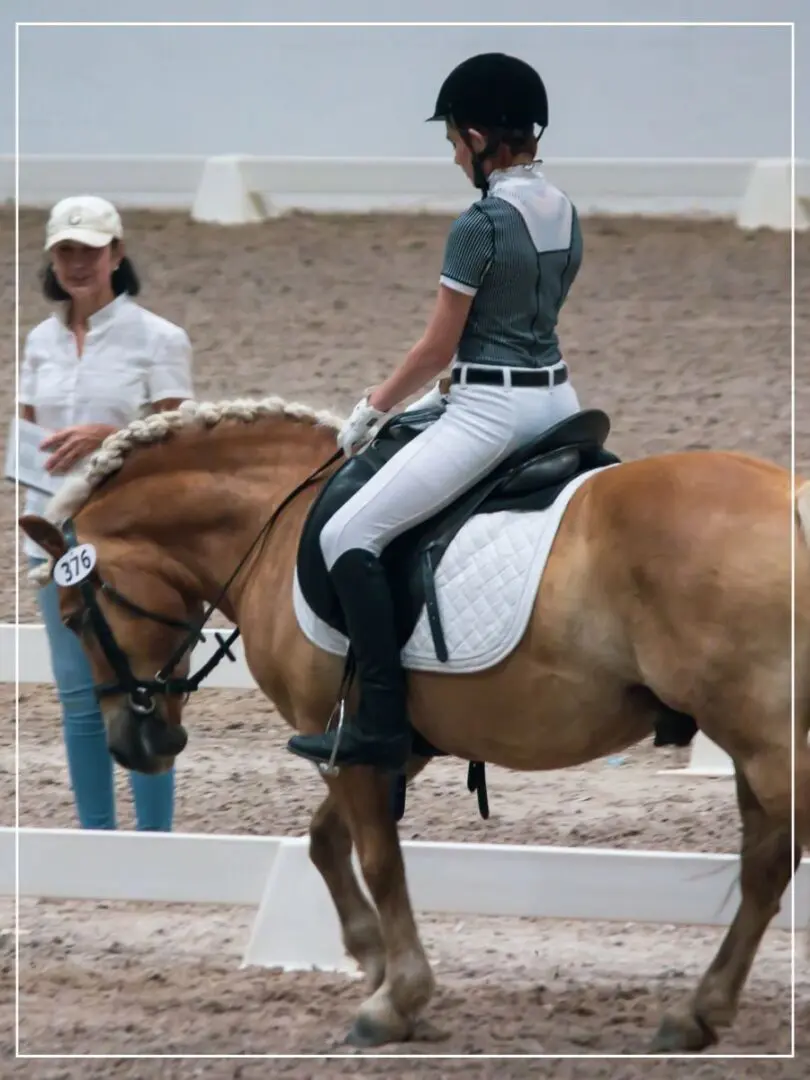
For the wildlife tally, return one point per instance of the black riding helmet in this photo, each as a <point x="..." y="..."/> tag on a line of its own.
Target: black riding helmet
<point x="496" y="92"/>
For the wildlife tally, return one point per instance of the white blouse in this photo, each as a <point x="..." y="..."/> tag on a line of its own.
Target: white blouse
<point x="131" y="359"/>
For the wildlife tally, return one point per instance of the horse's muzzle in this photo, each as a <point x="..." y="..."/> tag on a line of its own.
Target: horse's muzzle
<point x="144" y="744"/>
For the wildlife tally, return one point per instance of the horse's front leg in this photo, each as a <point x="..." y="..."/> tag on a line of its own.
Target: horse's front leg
<point x="330" y="850"/>
<point x="390" y="1014"/>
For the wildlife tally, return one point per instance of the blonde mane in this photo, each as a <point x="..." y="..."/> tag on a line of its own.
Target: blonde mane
<point x="157" y="427"/>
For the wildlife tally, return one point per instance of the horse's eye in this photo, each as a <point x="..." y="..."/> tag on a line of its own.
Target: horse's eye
<point x="74" y="622"/>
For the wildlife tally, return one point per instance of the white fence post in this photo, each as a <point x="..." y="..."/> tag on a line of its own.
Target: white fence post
<point x="706" y="759"/>
<point x="296" y="927"/>
<point x="768" y="201"/>
<point x="223" y="197"/>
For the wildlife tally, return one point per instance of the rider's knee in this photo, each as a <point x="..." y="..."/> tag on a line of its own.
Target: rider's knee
<point x="339" y="536"/>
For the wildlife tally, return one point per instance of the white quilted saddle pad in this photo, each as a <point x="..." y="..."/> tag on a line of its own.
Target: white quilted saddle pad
<point x="486" y="586"/>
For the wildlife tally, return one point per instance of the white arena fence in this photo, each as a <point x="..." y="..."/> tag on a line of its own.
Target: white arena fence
<point x="707" y="759"/>
<point x="273" y="874"/>
<point x="295" y="926"/>
<point x="242" y="189"/>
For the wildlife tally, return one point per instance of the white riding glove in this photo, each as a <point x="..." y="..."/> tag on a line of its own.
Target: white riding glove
<point x="359" y="428"/>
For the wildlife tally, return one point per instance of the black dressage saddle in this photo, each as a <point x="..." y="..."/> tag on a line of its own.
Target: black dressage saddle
<point x="530" y="479"/>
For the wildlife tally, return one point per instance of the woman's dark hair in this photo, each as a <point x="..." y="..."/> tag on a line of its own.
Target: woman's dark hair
<point x="124" y="280"/>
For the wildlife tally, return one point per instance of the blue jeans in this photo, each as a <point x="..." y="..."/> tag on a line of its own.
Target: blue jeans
<point x="89" y="762"/>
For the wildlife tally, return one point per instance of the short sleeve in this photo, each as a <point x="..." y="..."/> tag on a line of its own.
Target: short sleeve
<point x="468" y="253"/>
<point x="28" y="376"/>
<point x="170" y="371"/>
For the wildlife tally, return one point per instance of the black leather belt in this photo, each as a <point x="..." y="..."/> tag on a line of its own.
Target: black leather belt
<point x="495" y="376"/>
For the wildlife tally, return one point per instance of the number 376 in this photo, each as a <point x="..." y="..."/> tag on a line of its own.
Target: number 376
<point x="76" y="564"/>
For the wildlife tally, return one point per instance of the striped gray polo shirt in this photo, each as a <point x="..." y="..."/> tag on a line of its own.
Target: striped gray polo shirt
<point x="517" y="251"/>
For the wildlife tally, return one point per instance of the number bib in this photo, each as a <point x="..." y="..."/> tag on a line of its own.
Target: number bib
<point x="75" y="565"/>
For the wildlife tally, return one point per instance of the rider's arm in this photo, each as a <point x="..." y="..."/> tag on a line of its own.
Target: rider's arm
<point x="430" y="355"/>
<point x="467" y="257"/>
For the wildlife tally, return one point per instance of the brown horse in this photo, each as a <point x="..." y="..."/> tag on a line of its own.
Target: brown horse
<point x="668" y="587"/>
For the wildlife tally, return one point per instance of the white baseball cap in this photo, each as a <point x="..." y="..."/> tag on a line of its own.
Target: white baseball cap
<point x="87" y="219"/>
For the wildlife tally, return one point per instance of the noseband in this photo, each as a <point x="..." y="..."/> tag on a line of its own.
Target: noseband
<point x="141" y="693"/>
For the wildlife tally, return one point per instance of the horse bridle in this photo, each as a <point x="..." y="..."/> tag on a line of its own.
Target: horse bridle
<point x="142" y="692"/>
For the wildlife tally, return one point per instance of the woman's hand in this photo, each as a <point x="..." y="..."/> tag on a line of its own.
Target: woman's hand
<point x="72" y="444"/>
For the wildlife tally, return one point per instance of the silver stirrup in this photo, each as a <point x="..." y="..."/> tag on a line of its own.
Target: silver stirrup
<point x="329" y="768"/>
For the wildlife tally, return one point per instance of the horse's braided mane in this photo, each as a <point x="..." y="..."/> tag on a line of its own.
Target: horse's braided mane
<point x="157" y="427"/>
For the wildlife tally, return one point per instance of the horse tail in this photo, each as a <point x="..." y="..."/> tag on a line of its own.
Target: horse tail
<point x="803" y="511"/>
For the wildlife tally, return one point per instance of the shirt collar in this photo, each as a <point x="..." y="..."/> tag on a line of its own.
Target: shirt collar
<point x="522" y="172"/>
<point x="101" y="318"/>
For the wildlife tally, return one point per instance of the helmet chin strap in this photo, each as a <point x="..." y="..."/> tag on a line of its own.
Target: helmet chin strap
<point x="479" y="157"/>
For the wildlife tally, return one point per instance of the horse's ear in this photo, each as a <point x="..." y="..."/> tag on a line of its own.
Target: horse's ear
<point x="45" y="534"/>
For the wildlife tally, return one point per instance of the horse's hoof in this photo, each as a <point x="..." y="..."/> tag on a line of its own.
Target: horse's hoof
<point x="682" y="1034"/>
<point x="366" y="1032"/>
<point x="425" y="1031"/>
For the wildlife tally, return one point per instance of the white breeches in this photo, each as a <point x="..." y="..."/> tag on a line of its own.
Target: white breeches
<point x="480" y="427"/>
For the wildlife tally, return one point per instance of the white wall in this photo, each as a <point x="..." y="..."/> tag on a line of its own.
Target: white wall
<point x="615" y="92"/>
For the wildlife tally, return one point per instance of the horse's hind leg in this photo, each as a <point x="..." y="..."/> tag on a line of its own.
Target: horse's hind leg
<point x="330" y="849"/>
<point x="768" y="861"/>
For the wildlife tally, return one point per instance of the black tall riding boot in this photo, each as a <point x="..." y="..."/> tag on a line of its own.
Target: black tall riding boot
<point x="379" y="733"/>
